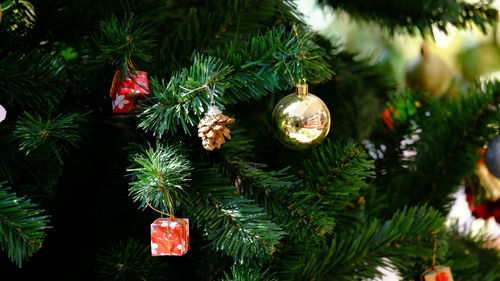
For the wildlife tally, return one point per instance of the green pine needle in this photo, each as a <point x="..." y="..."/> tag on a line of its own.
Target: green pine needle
<point x="236" y="225"/>
<point x="21" y="226"/>
<point x="132" y="38"/>
<point x="160" y="176"/>
<point x="413" y="16"/>
<point x="130" y="260"/>
<point x="247" y="273"/>
<point x="49" y="136"/>
<point x="242" y="70"/>
<point x="366" y="247"/>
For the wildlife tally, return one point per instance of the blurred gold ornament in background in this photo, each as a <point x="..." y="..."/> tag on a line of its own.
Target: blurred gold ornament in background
<point x="428" y="73"/>
<point x="301" y="120"/>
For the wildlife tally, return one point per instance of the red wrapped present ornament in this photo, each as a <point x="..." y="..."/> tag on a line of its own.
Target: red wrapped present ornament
<point x="439" y="273"/>
<point x="127" y="90"/>
<point x="169" y="237"/>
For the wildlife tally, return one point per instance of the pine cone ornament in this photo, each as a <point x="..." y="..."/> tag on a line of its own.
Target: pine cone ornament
<point x="212" y="128"/>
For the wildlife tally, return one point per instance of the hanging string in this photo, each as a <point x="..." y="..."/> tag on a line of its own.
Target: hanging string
<point x="170" y="216"/>
<point x="204" y="86"/>
<point x="302" y="81"/>
<point x="211" y="92"/>
<point x="434" y="254"/>
<point x="301" y="50"/>
<point x="130" y="64"/>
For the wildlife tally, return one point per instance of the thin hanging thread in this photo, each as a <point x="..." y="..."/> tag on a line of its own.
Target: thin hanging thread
<point x="130" y="64"/>
<point x="301" y="50"/>
<point x="163" y="213"/>
<point x="434" y="254"/>
<point x="302" y="79"/>
<point x="211" y="92"/>
<point x="204" y="86"/>
<point x="129" y="59"/>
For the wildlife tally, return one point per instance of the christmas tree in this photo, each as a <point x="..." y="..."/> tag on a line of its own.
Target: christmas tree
<point x="188" y="131"/>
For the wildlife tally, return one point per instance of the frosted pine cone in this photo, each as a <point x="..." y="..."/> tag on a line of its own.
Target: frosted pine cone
<point x="212" y="128"/>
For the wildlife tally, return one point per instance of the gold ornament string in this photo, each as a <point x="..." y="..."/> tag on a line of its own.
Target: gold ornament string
<point x="434" y="254"/>
<point x="302" y="81"/>
<point x="163" y="213"/>
<point x="205" y="86"/>
<point x="131" y="65"/>
<point x="129" y="59"/>
<point x="301" y="50"/>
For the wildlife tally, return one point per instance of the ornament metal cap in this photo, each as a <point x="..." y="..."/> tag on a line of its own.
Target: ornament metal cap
<point x="213" y="110"/>
<point x="302" y="89"/>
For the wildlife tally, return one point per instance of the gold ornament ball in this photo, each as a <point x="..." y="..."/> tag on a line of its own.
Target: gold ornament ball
<point x="428" y="73"/>
<point x="301" y="120"/>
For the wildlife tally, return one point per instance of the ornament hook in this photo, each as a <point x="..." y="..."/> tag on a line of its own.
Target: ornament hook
<point x="302" y="89"/>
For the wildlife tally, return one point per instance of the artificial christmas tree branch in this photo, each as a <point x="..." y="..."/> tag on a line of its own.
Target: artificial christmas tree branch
<point x="411" y="16"/>
<point x="32" y="86"/>
<point x="128" y="259"/>
<point x="246" y="273"/>
<point x="271" y="189"/>
<point x="214" y="23"/>
<point x="336" y="172"/>
<point x="461" y="124"/>
<point x="50" y="136"/>
<point x="365" y="247"/>
<point x="124" y="41"/>
<point x="470" y="256"/>
<point x="237" y="226"/>
<point x="159" y="177"/>
<point x="276" y="191"/>
<point x="240" y="71"/>
<point x="22" y="227"/>
<point x="257" y="213"/>
<point x="237" y="18"/>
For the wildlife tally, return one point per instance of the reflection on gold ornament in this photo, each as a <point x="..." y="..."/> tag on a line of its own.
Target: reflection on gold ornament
<point x="301" y="120"/>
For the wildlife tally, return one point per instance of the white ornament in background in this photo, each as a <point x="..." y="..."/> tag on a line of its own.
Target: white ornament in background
<point x="461" y="215"/>
<point x="3" y="113"/>
<point x="389" y="274"/>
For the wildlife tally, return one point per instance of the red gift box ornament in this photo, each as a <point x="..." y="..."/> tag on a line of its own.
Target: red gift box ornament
<point x="128" y="90"/>
<point x="169" y="237"/>
<point x="439" y="273"/>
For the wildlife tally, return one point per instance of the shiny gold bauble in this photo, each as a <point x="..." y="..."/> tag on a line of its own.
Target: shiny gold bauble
<point x="301" y="119"/>
<point x="428" y="73"/>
